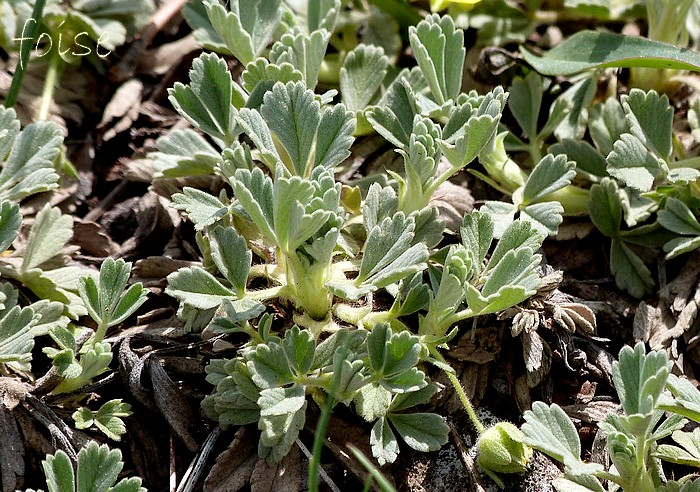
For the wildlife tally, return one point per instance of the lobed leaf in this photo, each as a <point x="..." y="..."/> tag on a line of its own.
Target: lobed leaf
<point x="206" y="101"/>
<point x="361" y="75"/>
<point x="650" y="118"/>
<point x="633" y="164"/>
<point x="385" y="447"/>
<point x="98" y="467"/>
<point x="29" y="167"/>
<point x="10" y="221"/>
<point x="439" y="50"/>
<point x="198" y="288"/>
<point x="605" y="208"/>
<point x="247" y="28"/>
<point x="47" y="237"/>
<point x="549" y="429"/>
<point x="552" y="173"/>
<point x="631" y="274"/>
<point x="422" y="431"/>
<point x="303" y="51"/>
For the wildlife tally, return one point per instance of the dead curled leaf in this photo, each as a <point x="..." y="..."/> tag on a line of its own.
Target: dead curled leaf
<point x="234" y="466"/>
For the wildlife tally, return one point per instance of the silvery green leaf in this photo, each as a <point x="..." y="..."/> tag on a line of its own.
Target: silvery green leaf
<point x="589" y="162"/>
<point x="517" y="236"/>
<point x="388" y="263"/>
<point x="633" y="164"/>
<point x="439" y="50"/>
<point x="59" y="473"/>
<point x="304" y="51"/>
<point x="132" y="299"/>
<point x="51" y="316"/>
<point x="293" y="115"/>
<point x="605" y="208"/>
<point x="513" y="280"/>
<point x="385" y="447"/>
<point x="372" y="402"/>
<point x="686" y="401"/>
<point x="10" y="220"/>
<point x="650" y="117"/>
<point x="29" y="167"/>
<point x="184" y="152"/>
<point x="525" y="101"/>
<point x="198" y="288"/>
<point x="380" y="203"/>
<point x="640" y="378"/>
<point x="393" y="118"/>
<point x="247" y="28"/>
<point x="502" y="214"/>
<point x="98" y="468"/>
<point x="334" y="137"/>
<point x="678" y="218"/>
<point x="413" y="296"/>
<point x="674" y="454"/>
<point x="109" y="418"/>
<point x="254" y="192"/>
<point x="404" y="401"/>
<point x="16" y="337"/>
<point x="631" y="274"/>
<point x="607" y="123"/>
<point x="322" y="14"/>
<point x="350" y="340"/>
<point x="255" y="127"/>
<point x="231" y="256"/>
<point x="669" y="425"/>
<point x="361" y="76"/>
<point x="421" y="431"/>
<point x="577" y="483"/>
<point x="9" y="130"/>
<point x="295" y="216"/>
<point x="282" y="415"/>
<point x="269" y="367"/>
<point x="385" y="242"/>
<point x="391" y="353"/>
<point x="299" y="346"/>
<point x="206" y="101"/>
<point x="408" y="381"/>
<point x="261" y="71"/>
<point x="683" y="176"/>
<point x="574" y="105"/>
<point x="549" y="429"/>
<point x="549" y="175"/>
<point x="544" y="217"/>
<point x="349" y="375"/>
<point x="202" y="208"/>
<point x="47" y="237"/>
<point x="477" y="132"/>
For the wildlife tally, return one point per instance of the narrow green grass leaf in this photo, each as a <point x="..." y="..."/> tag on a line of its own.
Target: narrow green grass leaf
<point x="593" y="49"/>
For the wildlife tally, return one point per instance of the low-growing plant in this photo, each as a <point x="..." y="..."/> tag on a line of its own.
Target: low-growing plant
<point x="290" y="235"/>
<point x="96" y="470"/>
<point x="647" y="391"/>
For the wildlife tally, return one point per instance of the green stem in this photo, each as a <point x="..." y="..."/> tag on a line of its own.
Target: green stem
<point x="100" y="332"/>
<point x="50" y="82"/>
<point x="25" y="49"/>
<point x="320" y="436"/>
<point x="466" y="403"/>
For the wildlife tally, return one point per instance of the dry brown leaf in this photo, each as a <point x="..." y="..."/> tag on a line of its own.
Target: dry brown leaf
<point x="122" y="110"/>
<point x="591" y="412"/>
<point x="282" y="477"/>
<point x="172" y="404"/>
<point x="93" y="240"/>
<point x="234" y="466"/>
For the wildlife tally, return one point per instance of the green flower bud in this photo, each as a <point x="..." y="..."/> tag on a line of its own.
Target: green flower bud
<point x="502" y="450"/>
